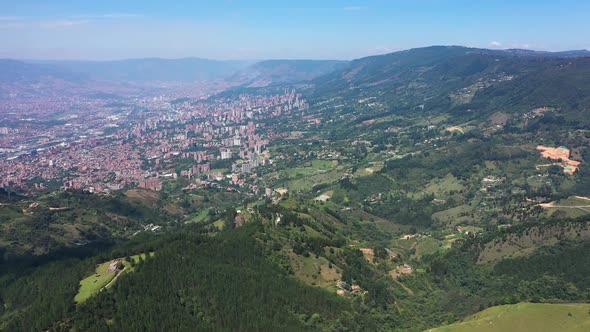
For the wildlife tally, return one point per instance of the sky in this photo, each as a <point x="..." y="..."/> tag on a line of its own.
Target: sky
<point x="278" y="29"/>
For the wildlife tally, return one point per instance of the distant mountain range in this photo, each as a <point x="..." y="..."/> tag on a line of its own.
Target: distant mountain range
<point x="374" y="70"/>
<point x="247" y="73"/>
<point x="14" y="71"/>
<point x="151" y="69"/>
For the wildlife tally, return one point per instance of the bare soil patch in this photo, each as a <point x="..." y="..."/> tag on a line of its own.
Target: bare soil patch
<point x="368" y="253"/>
<point x="561" y="154"/>
<point x="455" y="128"/>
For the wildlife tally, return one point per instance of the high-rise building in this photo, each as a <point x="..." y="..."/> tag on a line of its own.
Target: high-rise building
<point x="225" y="153"/>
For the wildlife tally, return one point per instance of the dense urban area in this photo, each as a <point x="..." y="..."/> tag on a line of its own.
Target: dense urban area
<point x="101" y="146"/>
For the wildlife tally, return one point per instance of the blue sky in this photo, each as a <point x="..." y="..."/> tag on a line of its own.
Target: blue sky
<point x="304" y="29"/>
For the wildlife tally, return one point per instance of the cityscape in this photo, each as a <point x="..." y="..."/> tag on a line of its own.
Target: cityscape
<point x="109" y="146"/>
<point x="334" y="166"/>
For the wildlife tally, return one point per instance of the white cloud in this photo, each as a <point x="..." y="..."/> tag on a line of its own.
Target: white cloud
<point x="495" y="44"/>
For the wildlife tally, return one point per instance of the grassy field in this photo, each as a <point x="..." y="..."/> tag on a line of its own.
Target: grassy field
<point x="92" y="284"/>
<point x="525" y="317"/>
<point x="571" y="207"/>
<point x="202" y="216"/>
<point x="454" y="216"/>
<point x="136" y="259"/>
<point x="315" y="271"/>
<point x="369" y="170"/>
<point x="318" y="171"/>
<point x="102" y="277"/>
<point x="314" y="167"/>
<point x="219" y="224"/>
<point x="574" y="201"/>
<point x="304" y="183"/>
<point x="442" y="187"/>
<point x="423" y="245"/>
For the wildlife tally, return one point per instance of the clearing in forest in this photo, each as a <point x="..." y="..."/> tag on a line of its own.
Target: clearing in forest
<point x="572" y="207"/>
<point x="455" y="128"/>
<point x="561" y="154"/>
<point x="141" y="196"/>
<point x="315" y="271"/>
<point x="104" y="275"/>
<point x="369" y="254"/>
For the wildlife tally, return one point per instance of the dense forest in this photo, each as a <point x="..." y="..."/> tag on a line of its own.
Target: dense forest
<point x="229" y="282"/>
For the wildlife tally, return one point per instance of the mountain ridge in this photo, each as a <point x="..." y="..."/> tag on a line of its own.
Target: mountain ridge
<point x="253" y="73"/>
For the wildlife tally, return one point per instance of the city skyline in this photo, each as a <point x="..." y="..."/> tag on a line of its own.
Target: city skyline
<point x="239" y="30"/>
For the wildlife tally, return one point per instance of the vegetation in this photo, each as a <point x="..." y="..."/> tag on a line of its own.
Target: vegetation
<point x="416" y="200"/>
<point x="92" y="284"/>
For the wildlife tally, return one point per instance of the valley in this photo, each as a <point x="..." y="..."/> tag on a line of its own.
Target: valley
<point x="440" y="186"/>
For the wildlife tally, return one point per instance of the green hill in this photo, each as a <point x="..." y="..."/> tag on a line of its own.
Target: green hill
<point x="524" y="317"/>
<point x="467" y="83"/>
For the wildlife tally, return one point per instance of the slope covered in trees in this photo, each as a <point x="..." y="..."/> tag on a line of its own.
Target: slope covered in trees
<point x="237" y="280"/>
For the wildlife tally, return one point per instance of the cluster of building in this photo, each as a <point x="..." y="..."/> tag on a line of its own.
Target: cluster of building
<point x="119" y="147"/>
